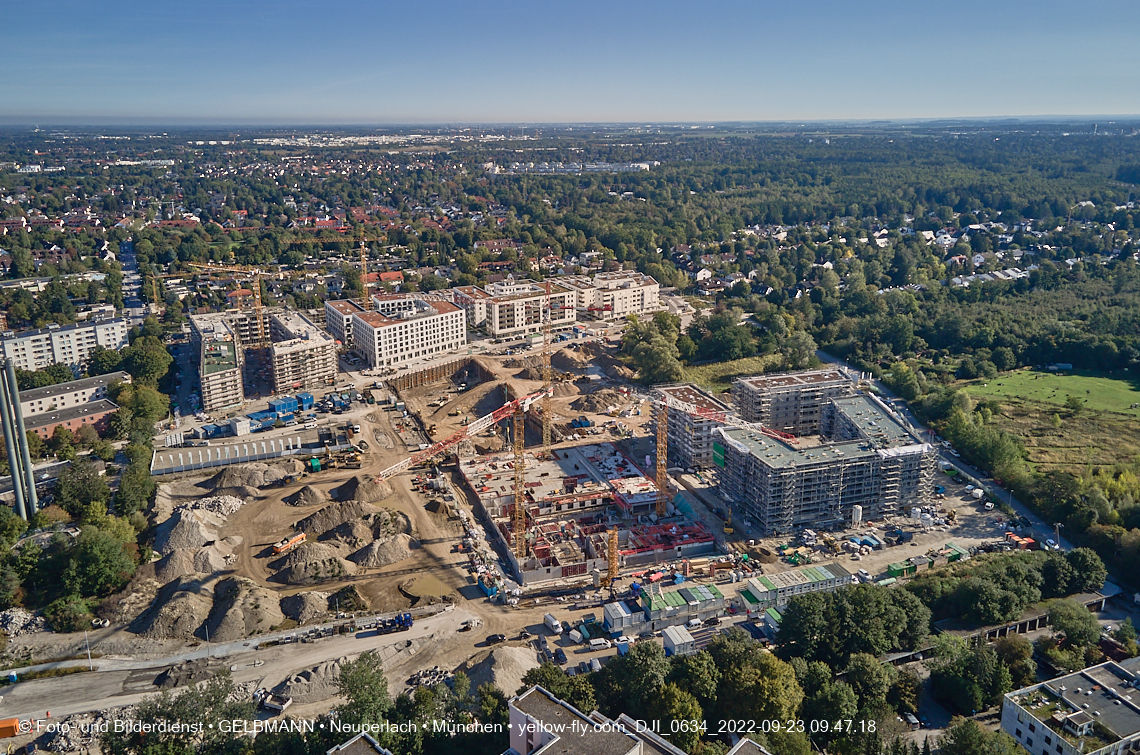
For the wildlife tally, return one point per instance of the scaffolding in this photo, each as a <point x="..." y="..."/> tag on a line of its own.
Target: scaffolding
<point x="662" y="453"/>
<point x="612" y="559"/>
<point x="547" y="409"/>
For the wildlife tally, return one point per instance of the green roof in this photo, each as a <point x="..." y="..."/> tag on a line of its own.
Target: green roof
<point x="766" y="582"/>
<point x="774" y="615"/>
<point x="218" y="356"/>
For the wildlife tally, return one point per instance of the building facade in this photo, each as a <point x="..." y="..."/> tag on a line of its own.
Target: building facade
<point x="338" y="319"/>
<point x="516" y="308"/>
<point x="70" y="394"/>
<point x="303" y="355"/>
<point x="691" y="436"/>
<point x="220" y="360"/>
<point x="789" y="402"/>
<point x="422" y="329"/>
<point x="95" y="413"/>
<point x="63" y="344"/>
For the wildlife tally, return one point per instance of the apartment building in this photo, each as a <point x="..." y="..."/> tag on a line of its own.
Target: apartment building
<point x="220" y="360"/>
<point x="510" y="309"/>
<point x="626" y="292"/>
<point x="872" y="461"/>
<point x="94" y="413"/>
<point x="63" y="344"/>
<point x="423" y="329"/>
<point x="338" y="319"/>
<point x="690" y="435"/>
<point x="789" y="402"/>
<point x="69" y="395"/>
<point x="1089" y="712"/>
<point x="303" y="355"/>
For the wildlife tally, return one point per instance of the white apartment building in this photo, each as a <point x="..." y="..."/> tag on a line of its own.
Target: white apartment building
<point x="338" y="319"/>
<point x="515" y="308"/>
<point x="421" y="329"/>
<point x="69" y="395"/>
<point x="626" y="292"/>
<point x="220" y="361"/>
<point x="63" y="344"/>
<point x="304" y="356"/>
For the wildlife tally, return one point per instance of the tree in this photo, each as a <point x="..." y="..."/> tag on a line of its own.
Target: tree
<point x="103" y="361"/>
<point x="696" y="674"/>
<point x="1089" y="573"/>
<point x="61" y="442"/>
<point x="967" y="737"/>
<point x="642" y="673"/>
<point x="799" y="349"/>
<point x="100" y="563"/>
<point x="147" y="360"/>
<point x="658" y="361"/>
<point x="870" y="679"/>
<point x="575" y="690"/>
<point x="79" y="486"/>
<point x="835" y="701"/>
<point x="1077" y="623"/>
<point x="673" y="704"/>
<point x="363" y="683"/>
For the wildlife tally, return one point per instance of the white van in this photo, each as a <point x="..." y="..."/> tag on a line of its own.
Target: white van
<point x="600" y="645"/>
<point x="310" y="425"/>
<point x="694" y="624"/>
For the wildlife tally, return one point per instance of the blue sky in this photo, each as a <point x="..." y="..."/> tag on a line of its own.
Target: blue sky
<point x="448" y="61"/>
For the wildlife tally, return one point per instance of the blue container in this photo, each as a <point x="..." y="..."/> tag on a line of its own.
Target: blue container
<point x="305" y="400"/>
<point x="287" y="405"/>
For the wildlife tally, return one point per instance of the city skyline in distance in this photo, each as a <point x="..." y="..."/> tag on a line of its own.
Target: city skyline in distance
<point x="355" y="63"/>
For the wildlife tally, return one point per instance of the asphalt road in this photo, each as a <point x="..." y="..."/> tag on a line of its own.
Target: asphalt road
<point x="119" y="682"/>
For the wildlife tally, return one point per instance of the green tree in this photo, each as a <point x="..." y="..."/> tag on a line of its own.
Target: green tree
<point x="870" y="678"/>
<point x="103" y="361"/>
<point x="1077" y="623"/>
<point x="1016" y="653"/>
<point x="967" y="737"/>
<point x="100" y="563"/>
<point x="673" y="704"/>
<point x="697" y="674"/>
<point x="799" y="349"/>
<point x="1089" y="573"/>
<point x="835" y="701"/>
<point x="362" y="682"/>
<point x="79" y="486"/>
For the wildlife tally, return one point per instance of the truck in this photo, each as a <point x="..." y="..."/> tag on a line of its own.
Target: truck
<point x="278" y="703"/>
<point x="288" y="543"/>
<point x="553" y="624"/>
<point x="977" y="493"/>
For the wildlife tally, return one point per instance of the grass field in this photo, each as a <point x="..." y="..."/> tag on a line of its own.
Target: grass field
<point x="1098" y="391"/>
<point x="1103" y="433"/>
<point x="718" y="377"/>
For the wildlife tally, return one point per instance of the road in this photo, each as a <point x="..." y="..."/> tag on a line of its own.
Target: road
<point x="119" y="682"/>
<point x="1039" y="530"/>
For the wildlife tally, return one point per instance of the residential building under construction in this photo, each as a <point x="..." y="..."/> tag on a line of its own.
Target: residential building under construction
<point x="303" y="355"/>
<point x="690" y="435"/>
<point x="573" y="503"/>
<point x="218" y="350"/>
<point x="866" y="457"/>
<point x="789" y="402"/>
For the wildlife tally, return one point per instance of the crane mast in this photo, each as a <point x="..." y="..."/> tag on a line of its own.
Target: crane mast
<point x="518" y="529"/>
<point x="547" y="316"/>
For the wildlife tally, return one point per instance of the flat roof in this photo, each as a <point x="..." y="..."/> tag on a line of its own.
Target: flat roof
<point x="560" y="716"/>
<point x="790" y="379"/>
<point x="345" y="306"/>
<point x="691" y="394"/>
<point x="62" y="328"/>
<point x="873" y="420"/>
<point x="1111" y="704"/>
<point x="778" y="454"/>
<point x="218" y="356"/>
<point x="91" y="408"/>
<point x="83" y="384"/>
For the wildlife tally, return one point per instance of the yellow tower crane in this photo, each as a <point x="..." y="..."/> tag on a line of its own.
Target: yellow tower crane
<point x="519" y="527"/>
<point x="364" y="276"/>
<point x="612" y="556"/>
<point x="255" y="273"/>
<point x="547" y="410"/>
<point x="662" y="453"/>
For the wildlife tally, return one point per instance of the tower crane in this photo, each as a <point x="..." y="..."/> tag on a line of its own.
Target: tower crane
<point x="612" y="556"/>
<point x="255" y="273"/>
<point x="364" y="276"/>
<point x="547" y="316"/>
<point x="518" y="528"/>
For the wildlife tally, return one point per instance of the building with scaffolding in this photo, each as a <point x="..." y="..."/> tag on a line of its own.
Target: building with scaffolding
<point x="867" y="458"/>
<point x="691" y="436"/>
<point x="220" y="361"/>
<point x="303" y="355"/>
<point x="573" y="501"/>
<point x="789" y="402"/>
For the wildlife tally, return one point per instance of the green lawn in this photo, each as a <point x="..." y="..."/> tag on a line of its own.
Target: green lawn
<point x="718" y="377"/>
<point x="1098" y="391"/>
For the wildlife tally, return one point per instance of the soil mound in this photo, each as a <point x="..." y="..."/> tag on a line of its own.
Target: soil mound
<point x="306" y="607"/>
<point x="311" y="563"/>
<point x="314" y="685"/>
<point x="353" y="534"/>
<point x="530" y="373"/>
<point x="334" y="515"/>
<point x="241" y="609"/>
<point x="488" y="445"/>
<point x="380" y="553"/>
<point x="363" y="488"/>
<point x="186" y="528"/>
<point x="564" y="390"/>
<point x="255" y="475"/>
<point x="621" y="373"/>
<point x="503" y="667"/>
<point x="598" y="402"/>
<point x="179" y="609"/>
<point x="307" y="496"/>
<point x="569" y="361"/>
<point x="174" y="564"/>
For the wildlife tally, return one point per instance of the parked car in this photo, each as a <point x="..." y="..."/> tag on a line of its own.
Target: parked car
<point x="560" y="656"/>
<point x="495" y="639"/>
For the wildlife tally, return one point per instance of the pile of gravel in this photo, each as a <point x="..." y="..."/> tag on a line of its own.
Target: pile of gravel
<point x="307" y="496"/>
<point x="353" y="534"/>
<point x="16" y="621"/>
<point x="222" y="505"/>
<point x="364" y="488"/>
<point x="178" y="611"/>
<point x="311" y="563"/>
<point x="503" y="667"/>
<point x="306" y="607"/>
<point x="242" y="609"/>
<point x="314" y="685"/>
<point x="255" y="474"/>
<point x="380" y="553"/>
<point x="174" y="564"/>
<point x="599" y="402"/>
<point x="186" y="528"/>
<point x="334" y="515"/>
<point x="80" y="733"/>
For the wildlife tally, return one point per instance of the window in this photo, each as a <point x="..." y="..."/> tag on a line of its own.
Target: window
<point x="1017" y="733"/>
<point x="1029" y="742"/>
<point x="1032" y="728"/>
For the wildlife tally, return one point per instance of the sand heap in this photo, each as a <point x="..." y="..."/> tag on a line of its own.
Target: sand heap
<point x="241" y="609"/>
<point x="530" y="373"/>
<point x="306" y="607"/>
<point x="503" y="667"/>
<point x="186" y="528"/>
<point x="363" y="488"/>
<point x="179" y="609"/>
<point x="311" y="563"/>
<point x="307" y="496"/>
<point x="314" y="685"/>
<point x="334" y="515"/>
<point x="380" y="553"/>
<point x="255" y="474"/>
<point x="569" y="361"/>
<point x="599" y="402"/>
<point x="564" y="390"/>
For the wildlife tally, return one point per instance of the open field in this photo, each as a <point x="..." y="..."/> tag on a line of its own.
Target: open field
<point x="718" y="377"/>
<point x="1098" y="391"/>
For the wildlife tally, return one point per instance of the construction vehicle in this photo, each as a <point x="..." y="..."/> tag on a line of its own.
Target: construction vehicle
<point x="289" y="543"/>
<point x="278" y="703"/>
<point x="401" y="622"/>
<point x="472" y="430"/>
<point x="728" y="522"/>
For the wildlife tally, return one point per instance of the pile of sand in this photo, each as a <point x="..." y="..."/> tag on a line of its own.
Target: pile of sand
<point x="503" y="667"/>
<point x="306" y="496"/>
<point x="569" y="361"/>
<point x="563" y="390"/>
<point x="241" y="609"/>
<point x="363" y="488"/>
<point x="353" y="534"/>
<point x="314" y="685"/>
<point x="179" y="609"/>
<point x="488" y="445"/>
<point x="530" y="373"/>
<point x="534" y="362"/>
<point x="334" y="515"/>
<point x="311" y="563"/>
<point x="621" y="373"/>
<point x="186" y="528"/>
<point x="174" y="564"/>
<point x="598" y="402"/>
<point x="306" y="607"/>
<point x="380" y="553"/>
<point x="255" y="474"/>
